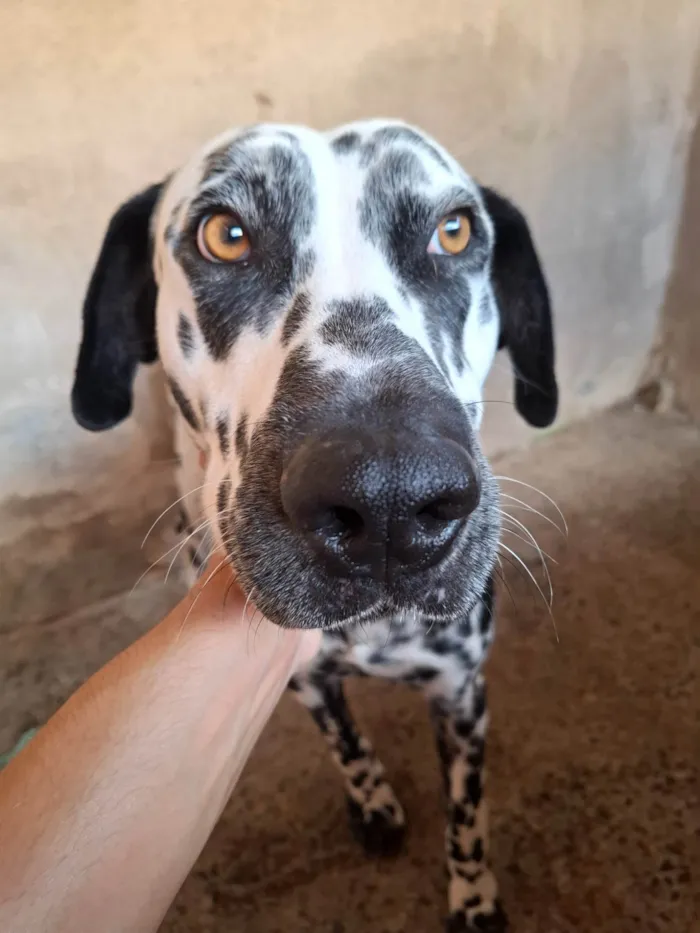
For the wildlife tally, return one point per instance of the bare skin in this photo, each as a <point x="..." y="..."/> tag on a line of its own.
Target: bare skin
<point x="104" y="813"/>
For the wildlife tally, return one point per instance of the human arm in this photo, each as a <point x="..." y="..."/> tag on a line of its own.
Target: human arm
<point x="105" y="811"/>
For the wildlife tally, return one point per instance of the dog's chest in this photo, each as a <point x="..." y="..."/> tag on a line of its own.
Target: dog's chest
<point x="407" y="650"/>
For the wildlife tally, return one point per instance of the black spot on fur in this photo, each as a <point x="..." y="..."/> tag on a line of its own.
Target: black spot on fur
<point x="422" y="674"/>
<point x="181" y="523"/>
<point x="475" y="755"/>
<point x="473" y="901"/>
<point x="479" y="701"/>
<point x="456" y="853"/>
<point x="486" y="618"/>
<point x="185" y="336"/>
<point x="364" y="328"/>
<point x="485" y="310"/>
<point x="470" y="876"/>
<point x="439" y="644"/>
<point x="477" y="852"/>
<point x="385" y="137"/>
<point x="464" y="728"/>
<point x="223" y="430"/>
<point x="472" y="787"/>
<point x="242" y="436"/>
<point x="375" y="830"/>
<point x="346" y="142"/>
<point x="297" y="315"/>
<point x="196" y="559"/>
<point x="183" y="403"/>
<point x="223" y="495"/>
<point x="461" y="816"/>
<point x="357" y="780"/>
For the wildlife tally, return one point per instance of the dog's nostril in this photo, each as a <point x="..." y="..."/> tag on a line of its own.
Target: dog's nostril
<point x="448" y="508"/>
<point x="342" y="521"/>
<point x="441" y="510"/>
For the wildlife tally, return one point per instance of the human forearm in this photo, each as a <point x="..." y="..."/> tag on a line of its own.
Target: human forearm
<point x="104" y="812"/>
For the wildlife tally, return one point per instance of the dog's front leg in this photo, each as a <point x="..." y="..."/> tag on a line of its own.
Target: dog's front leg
<point x="376" y="816"/>
<point x="460" y="721"/>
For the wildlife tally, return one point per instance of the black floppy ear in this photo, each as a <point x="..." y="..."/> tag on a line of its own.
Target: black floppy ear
<point x="525" y="314"/>
<point x="118" y="317"/>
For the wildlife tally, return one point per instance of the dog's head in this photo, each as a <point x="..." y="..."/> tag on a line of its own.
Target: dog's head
<point x="326" y="308"/>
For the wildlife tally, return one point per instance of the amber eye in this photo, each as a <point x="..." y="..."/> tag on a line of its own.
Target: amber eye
<point x="222" y="238"/>
<point x="451" y="235"/>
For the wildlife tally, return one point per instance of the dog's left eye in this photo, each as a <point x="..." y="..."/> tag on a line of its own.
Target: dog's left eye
<point x="452" y="235"/>
<point x="222" y="238"/>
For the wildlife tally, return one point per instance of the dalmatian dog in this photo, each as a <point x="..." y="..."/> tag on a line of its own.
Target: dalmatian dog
<point x="326" y="307"/>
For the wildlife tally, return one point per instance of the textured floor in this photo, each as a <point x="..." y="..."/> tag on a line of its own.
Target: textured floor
<point x="595" y="742"/>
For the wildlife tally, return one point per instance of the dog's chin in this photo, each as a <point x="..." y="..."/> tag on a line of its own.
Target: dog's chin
<point x="296" y="608"/>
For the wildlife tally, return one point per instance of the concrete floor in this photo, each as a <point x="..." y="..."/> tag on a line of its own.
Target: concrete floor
<point x="595" y="741"/>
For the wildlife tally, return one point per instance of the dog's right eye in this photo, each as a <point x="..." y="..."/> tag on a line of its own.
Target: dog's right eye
<point x="222" y="238"/>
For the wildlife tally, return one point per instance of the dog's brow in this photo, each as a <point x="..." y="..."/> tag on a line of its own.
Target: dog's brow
<point x="455" y="198"/>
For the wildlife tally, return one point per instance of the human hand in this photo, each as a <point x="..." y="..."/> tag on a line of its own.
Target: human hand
<point x="216" y="600"/>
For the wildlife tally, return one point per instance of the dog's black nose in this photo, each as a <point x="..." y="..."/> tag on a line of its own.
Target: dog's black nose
<point x="377" y="506"/>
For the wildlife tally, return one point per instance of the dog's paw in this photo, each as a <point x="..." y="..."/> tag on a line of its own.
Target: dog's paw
<point x="495" y="921"/>
<point x="381" y="832"/>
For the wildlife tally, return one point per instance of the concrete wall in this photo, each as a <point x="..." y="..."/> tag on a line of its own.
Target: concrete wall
<point x="673" y="377"/>
<point x="579" y="109"/>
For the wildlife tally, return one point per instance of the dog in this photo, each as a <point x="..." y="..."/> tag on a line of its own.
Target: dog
<point x="326" y="308"/>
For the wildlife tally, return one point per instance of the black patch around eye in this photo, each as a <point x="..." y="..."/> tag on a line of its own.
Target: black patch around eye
<point x="185" y="336"/>
<point x="274" y="191"/>
<point x="346" y="142"/>
<point x="242" y="436"/>
<point x="223" y="495"/>
<point x="223" y="432"/>
<point x="183" y="403"/>
<point x="298" y="313"/>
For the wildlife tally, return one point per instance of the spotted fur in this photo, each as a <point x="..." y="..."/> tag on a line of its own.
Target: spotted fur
<point x="340" y="314"/>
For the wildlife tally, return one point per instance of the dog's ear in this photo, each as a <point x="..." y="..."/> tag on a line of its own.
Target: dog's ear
<point x="525" y="314"/>
<point x="118" y="317"/>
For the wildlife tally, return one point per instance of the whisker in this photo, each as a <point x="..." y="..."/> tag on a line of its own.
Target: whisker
<point x="250" y="624"/>
<point x="172" y="506"/>
<point x="538" y="587"/>
<point x="178" y="545"/>
<point x="519" y="482"/>
<point x="541" y="555"/>
<point x="194" y="601"/>
<point x="531" y="538"/>
<point x="182" y="544"/>
<point x="526" y="507"/>
<point x="533" y="543"/>
<point x="502" y="578"/>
